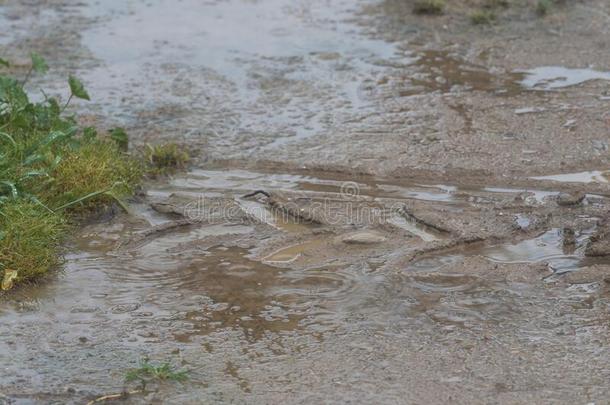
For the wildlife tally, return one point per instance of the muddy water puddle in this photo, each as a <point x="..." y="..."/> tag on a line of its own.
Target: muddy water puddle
<point x="207" y="289"/>
<point x="171" y="262"/>
<point x="184" y="296"/>
<point x="560" y="250"/>
<point x="261" y="306"/>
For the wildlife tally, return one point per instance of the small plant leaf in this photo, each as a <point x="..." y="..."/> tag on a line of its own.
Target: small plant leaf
<point x="53" y="137"/>
<point x="8" y="279"/>
<point x="37" y="201"/>
<point x="119" y="136"/>
<point x="34" y="173"/>
<point x="89" y="133"/>
<point x="118" y="201"/>
<point x="56" y="161"/>
<point x="33" y="158"/>
<point x="4" y="62"/>
<point x="77" y="88"/>
<point x="38" y="63"/>
<point x="92" y="195"/>
<point x="12" y="188"/>
<point x="8" y="138"/>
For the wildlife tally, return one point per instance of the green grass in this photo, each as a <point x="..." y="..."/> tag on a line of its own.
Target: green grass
<point x="494" y="4"/>
<point x="165" y="158"/>
<point x="543" y="7"/>
<point x="50" y="169"/>
<point x="483" y="17"/>
<point x="96" y="167"/>
<point x="147" y="372"/>
<point x="429" y="7"/>
<point x="29" y="241"/>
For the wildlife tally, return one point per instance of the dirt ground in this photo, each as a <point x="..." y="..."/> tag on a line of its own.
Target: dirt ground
<point x="433" y="190"/>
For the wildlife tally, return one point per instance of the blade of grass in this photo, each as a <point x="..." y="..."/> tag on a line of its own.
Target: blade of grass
<point x="107" y="192"/>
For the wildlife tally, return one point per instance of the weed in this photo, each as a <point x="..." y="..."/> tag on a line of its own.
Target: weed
<point x="148" y="372"/>
<point x="119" y="136"/>
<point x="494" y="4"/>
<point x="543" y="7"/>
<point x="429" y="7"/>
<point x="49" y="168"/>
<point x="165" y="158"/>
<point x="483" y="17"/>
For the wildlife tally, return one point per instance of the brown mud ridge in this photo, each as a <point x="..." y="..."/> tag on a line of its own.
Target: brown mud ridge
<point x="413" y="240"/>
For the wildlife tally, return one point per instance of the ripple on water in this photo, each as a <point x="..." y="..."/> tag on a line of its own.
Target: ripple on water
<point x="218" y="50"/>
<point x="213" y="290"/>
<point x="550" y="247"/>
<point x="462" y="299"/>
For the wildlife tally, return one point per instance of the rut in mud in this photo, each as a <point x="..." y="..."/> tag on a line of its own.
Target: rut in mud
<point x="431" y="191"/>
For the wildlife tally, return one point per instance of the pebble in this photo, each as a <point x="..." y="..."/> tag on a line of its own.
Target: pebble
<point x="568" y="199"/>
<point x="363" y="238"/>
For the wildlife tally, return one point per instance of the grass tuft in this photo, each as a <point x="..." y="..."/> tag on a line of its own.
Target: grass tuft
<point x="148" y="372"/>
<point x="483" y="17"/>
<point x="29" y="241"/>
<point x="165" y="158"/>
<point x="97" y="166"/>
<point x="543" y="7"/>
<point x="432" y="7"/>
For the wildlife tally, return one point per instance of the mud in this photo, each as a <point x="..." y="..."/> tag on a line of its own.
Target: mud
<point x="434" y="195"/>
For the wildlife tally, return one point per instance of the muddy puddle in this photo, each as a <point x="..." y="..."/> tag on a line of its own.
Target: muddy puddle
<point x="229" y="299"/>
<point x="560" y="251"/>
<point x="444" y="272"/>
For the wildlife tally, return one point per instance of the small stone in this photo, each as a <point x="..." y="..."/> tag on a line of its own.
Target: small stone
<point x="363" y="238"/>
<point x="569" y="199"/>
<point x="569" y="124"/>
<point x="600" y="146"/>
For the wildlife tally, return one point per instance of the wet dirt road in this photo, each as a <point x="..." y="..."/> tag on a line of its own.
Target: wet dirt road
<point x="415" y="246"/>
